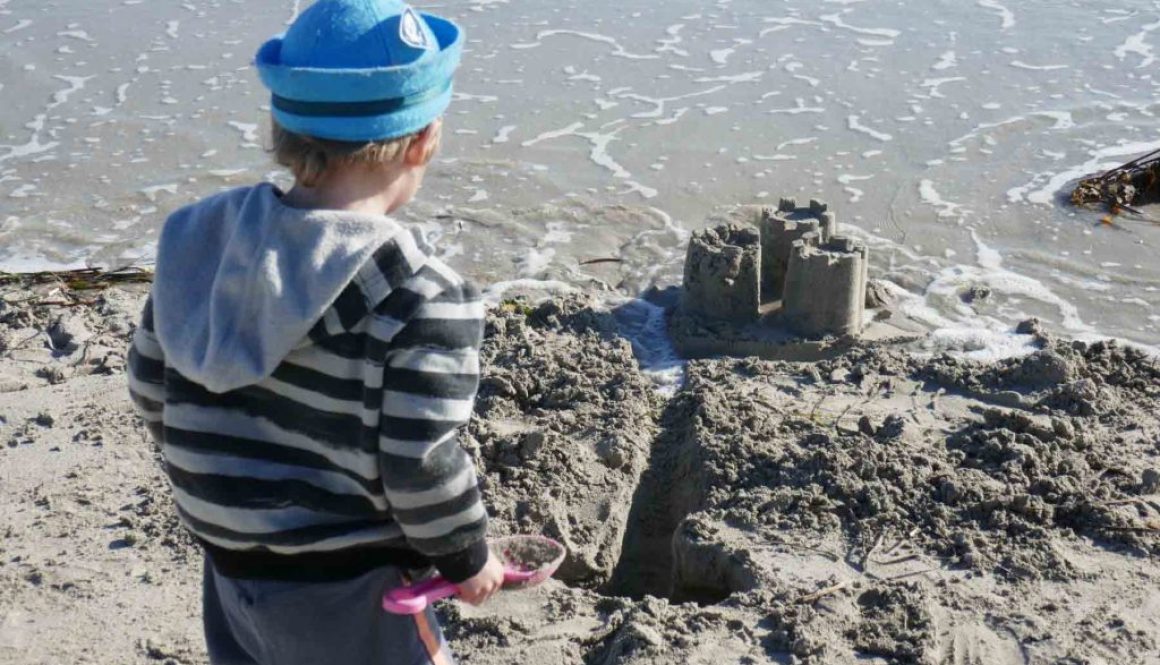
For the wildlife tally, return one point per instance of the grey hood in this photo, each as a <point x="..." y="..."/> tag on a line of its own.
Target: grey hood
<point x="242" y="278"/>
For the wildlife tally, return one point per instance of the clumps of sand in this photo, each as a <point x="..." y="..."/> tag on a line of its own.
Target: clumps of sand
<point x="49" y="334"/>
<point x="879" y="506"/>
<point x="563" y="428"/>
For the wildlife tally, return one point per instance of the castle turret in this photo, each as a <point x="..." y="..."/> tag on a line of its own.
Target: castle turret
<point x="722" y="274"/>
<point x="825" y="290"/>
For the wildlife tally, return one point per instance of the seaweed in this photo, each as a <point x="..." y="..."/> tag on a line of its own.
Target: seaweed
<point x="1123" y="188"/>
<point x="85" y="279"/>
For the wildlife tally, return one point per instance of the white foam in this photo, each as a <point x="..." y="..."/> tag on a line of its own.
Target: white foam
<point x="929" y="195"/>
<point x="599" y="142"/>
<point x="152" y="192"/>
<point x="468" y="97"/>
<point x="746" y="77"/>
<point x="33" y="146"/>
<point x="1019" y="64"/>
<point x="1063" y="120"/>
<point x="503" y="135"/>
<point x="799" y="108"/>
<point x="20" y="25"/>
<point x="75" y="84"/>
<point x="618" y="50"/>
<point x="645" y="325"/>
<point x="659" y="102"/>
<point x="224" y="174"/>
<point x="979" y="344"/>
<point x="836" y="21"/>
<point x="854" y="122"/>
<point x="946" y="61"/>
<point x="1005" y="14"/>
<point x="669" y="44"/>
<point x="23" y="191"/>
<point x="171" y="29"/>
<point x="79" y="35"/>
<point x="645" y="191"/>
<point x="783" y="24"/>
<point x="1137" y="44"/>
<point x="934" y="85"/>
<point x="249" y="130"/>
<point x="558" y="233"/>
<point x="1002" y="280"/>
<point x="855" y="193"/>
<point x="721" y="56"/>
<point x="673" y="118"/>
<point x="805" y="140"/>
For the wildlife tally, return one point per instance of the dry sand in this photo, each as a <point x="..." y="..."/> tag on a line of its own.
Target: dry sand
<point x="880" y="507"/>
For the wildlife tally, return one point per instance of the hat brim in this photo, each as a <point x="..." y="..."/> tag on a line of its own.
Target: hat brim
<point x="311" y="84"/>
<point x="381" y="127"/>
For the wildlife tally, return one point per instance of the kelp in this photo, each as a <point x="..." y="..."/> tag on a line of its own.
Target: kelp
<point x="85" y="279"/>
<point x="1122" y="189"/>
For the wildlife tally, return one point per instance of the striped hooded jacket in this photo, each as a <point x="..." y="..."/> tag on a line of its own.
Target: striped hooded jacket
<point x="305" y="374"/>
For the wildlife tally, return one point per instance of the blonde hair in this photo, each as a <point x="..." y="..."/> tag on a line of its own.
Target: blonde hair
<point x="310" y="158"/>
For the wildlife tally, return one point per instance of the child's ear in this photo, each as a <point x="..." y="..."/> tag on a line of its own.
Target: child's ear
<point x="423" y="147"/>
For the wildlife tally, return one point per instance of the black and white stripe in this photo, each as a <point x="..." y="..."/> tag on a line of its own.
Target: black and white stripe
<point x="351" y="441"/>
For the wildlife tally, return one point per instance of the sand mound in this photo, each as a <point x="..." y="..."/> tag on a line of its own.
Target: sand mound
<point x="563" y="428"/>
<point x="874" y="505"/>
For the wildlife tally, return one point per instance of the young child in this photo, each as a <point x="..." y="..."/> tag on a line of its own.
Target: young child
<point x="305" y="363"/>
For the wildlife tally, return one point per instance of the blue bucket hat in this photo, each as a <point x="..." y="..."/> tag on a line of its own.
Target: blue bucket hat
<point x="361" y="70"/>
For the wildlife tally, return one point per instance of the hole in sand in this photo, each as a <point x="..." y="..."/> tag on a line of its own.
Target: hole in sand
<point x="666" y="553"/>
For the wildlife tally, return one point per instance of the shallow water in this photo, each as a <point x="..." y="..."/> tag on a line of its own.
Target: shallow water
<point x="943" y="132"/>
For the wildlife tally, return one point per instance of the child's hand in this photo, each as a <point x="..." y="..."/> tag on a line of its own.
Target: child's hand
<point x="478" y="589"/>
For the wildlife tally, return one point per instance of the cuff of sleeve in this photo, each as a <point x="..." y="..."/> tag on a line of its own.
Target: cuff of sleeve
<point x="463" y="565"/>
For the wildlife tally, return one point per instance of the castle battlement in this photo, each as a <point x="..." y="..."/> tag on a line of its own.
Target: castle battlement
<point x="788" y="266"/>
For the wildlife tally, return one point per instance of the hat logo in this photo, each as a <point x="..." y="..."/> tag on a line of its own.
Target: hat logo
<point x="410" y="31"/>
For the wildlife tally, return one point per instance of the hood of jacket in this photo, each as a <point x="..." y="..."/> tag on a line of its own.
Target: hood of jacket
<point x="242" y="278"/>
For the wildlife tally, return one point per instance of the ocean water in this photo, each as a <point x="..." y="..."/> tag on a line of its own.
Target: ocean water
<point x="588" y="139"/>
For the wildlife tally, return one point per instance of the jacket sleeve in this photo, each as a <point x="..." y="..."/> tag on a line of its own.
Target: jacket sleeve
<point x="430" y="379"/>
<point x="147" y="375"/>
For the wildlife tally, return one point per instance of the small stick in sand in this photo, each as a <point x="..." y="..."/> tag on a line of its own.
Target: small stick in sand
<point x="911" y="574"/>
<point x="866" y="555"/>
<point x="901" y="541"/>
<point x="901" y="559"/>
<point x="1132" y="529"/>
<point x="809" y="598"/>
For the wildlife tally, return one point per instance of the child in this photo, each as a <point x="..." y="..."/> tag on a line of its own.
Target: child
<point x="304" y="362"/>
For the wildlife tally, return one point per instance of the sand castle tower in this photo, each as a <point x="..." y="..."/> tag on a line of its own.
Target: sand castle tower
<point x="788" y="270"/>
<point x="780" y="228"/>
<point x="825" y="287"/>
<point x="723" y="273"/>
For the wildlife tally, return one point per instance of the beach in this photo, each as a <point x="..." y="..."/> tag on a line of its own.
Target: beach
<point x="885" y="505"/>
<point x="976" y="482"/>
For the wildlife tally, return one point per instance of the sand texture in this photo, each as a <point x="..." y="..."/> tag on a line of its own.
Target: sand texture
<point x="877" y="507"/>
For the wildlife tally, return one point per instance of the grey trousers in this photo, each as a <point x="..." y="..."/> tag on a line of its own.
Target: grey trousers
<point x="259" y="622"/>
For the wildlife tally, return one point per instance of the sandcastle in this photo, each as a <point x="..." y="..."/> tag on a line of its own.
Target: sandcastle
<point x="777" y="282"/>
